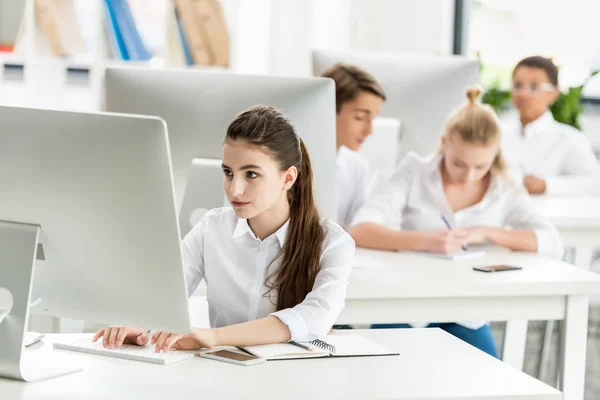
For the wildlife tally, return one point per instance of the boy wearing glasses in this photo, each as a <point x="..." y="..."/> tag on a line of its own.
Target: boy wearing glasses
<point x="553" y="158"/>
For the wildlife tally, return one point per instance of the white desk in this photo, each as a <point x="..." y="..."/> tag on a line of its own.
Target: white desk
<point x="432" y="365"/>
<point x="416" y="287"/>
<point x="578" y="220"/>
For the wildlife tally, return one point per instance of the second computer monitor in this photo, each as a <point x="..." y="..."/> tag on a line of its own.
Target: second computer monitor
<point x="421" y="90"/>
<point x="199" y="105"/>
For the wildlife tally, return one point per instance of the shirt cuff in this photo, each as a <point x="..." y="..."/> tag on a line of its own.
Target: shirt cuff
<point x="294" y="322"/>
<point x="556" y="185"/>
<point x="547" y="244"/>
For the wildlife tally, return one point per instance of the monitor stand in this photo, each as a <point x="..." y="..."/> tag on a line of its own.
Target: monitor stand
<point x="18" y="247"/>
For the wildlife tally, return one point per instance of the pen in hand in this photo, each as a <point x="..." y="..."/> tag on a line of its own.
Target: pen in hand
<point x="450" y="228"/>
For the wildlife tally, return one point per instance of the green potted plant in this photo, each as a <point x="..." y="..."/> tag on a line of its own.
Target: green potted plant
<point x="494" y="95"/>
<point x="567" y="108"/>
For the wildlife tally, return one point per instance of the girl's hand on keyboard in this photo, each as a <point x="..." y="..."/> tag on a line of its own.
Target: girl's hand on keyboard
<point x="115" y="336"/>
<point x="198" y="339"/>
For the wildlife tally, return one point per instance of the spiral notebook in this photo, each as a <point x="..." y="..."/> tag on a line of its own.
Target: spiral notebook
<point x="329" y="346"/>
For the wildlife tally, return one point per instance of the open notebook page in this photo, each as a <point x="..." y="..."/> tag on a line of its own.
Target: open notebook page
<point x="356" y="345"/>
<point x="282" y="351"/>
<point x="345" y="346"/>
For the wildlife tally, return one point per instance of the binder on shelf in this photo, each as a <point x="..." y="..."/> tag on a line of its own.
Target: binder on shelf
<point x="116" y="44"/>
<point x="125" y="28"/>
<point x="182" y="43"/>
<point x="194" y="38"/>
<point x="11" y="16"/>
<point x="58" y="21"/>
<point x="212" y="26"/>
<point x="46" y="16"/>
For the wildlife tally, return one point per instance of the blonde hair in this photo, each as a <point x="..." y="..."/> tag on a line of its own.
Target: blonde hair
<point x="476" y="123"/>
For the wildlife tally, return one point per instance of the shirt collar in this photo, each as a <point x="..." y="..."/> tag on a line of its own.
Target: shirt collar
<point x="434" y="171"/>
<point x="540" y="125"/>
<point x="340" y="155"/>
<point x="242" y="228"/>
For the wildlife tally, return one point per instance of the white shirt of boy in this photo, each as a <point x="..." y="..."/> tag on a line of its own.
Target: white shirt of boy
<point x="414" y="199"/>
<point x="223" y="250"/>
<point x="352" y="181"/>
<point x="556" y="152"/>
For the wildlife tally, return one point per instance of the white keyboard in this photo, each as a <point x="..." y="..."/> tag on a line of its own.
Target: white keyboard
<point x="127" y="351"/>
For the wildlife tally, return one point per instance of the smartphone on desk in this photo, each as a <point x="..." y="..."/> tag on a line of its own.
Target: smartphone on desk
<point x="233" y="357"/>
<point x="497" y="268"/>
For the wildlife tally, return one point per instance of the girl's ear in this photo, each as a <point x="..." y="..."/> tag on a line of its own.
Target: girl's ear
<point x="443" y="143"/>
<point x="289" y="178"/>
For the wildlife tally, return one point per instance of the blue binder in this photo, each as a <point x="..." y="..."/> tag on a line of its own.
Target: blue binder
<point x="186" y="47"/>
<point x="117" y="43"/>
<point x="136" y="50"/>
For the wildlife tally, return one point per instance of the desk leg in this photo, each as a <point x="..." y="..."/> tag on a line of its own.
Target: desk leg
<point x="515" y="336"/>
<point x="584" y="257"/>
<point x="545" y="353"/>
<point x="572" y="369"/>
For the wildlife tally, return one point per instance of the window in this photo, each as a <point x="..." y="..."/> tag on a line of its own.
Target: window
<point x="504" y="31"/>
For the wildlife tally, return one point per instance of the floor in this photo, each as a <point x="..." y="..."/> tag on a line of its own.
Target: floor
<point x="534" y="339"/>
<point x="532" y="354"/>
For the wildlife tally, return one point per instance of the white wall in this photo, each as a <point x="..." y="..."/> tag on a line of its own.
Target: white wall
<point x="291" y="42"/>
<point x="334" y="24"/>
<point x="276" y="36"/>
<point x="423" y="26"/>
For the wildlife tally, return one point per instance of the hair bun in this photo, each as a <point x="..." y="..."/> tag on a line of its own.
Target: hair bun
<point x="473" y="93"/>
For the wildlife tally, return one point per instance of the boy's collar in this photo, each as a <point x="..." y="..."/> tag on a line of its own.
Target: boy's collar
<point x="538" y="126"/>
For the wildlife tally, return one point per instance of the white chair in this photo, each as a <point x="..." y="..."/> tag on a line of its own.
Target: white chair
<point x="381" y="149"/>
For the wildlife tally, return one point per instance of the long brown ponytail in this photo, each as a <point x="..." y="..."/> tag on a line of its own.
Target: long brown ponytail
<point x="300" y="256"/>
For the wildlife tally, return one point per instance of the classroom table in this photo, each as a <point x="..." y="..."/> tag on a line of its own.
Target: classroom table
<point x="432" y="365"/>
<point x="393" y="287"/>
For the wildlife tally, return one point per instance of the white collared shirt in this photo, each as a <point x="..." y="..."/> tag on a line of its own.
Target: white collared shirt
<point x="556" y="152"/>
<point x="352" y="174"/>
<point x="223" y="250"/>
<point x="414" y="199"/>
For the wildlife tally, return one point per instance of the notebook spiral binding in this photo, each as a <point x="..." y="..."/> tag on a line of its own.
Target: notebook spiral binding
<point x="323" y="345"/>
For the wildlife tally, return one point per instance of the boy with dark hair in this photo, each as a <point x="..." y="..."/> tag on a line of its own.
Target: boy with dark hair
<point x="554" y="158"/>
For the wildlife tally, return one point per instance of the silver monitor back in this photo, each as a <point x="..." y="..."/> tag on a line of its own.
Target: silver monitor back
<point x="100" y="187"/>
<point x="197" y="200"/>
<point x="198" y="107"/>
<point x="421" y="90"/>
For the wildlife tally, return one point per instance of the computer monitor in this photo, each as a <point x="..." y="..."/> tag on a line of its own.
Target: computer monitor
<point x="421" y="90"/>
<point x="199" y="105"/>
<point x="91" y="197"/>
